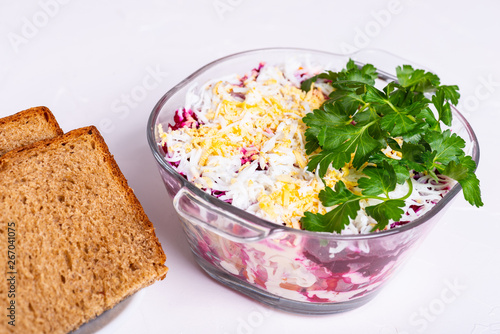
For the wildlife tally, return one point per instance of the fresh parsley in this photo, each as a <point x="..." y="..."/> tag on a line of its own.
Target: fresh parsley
<point x="358" y="120"/>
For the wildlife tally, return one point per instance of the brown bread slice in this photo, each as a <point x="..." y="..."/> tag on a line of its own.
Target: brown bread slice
<point x="27" y="127"/>
<point x="82" y="240"/>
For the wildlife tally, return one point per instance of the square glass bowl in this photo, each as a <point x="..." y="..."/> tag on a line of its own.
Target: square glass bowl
<point x="293" y="270"/>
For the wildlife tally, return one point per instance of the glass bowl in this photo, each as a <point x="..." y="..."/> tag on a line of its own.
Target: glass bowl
<point x="293" y="270"/>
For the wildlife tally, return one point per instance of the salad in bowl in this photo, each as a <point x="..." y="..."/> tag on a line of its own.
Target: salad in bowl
<point x="303" y="178"/>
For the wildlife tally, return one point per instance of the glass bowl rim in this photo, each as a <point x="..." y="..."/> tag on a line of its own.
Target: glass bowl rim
<point x="273" y="227"/>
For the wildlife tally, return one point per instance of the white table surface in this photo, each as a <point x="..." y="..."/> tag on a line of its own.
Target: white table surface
<point x="91" y="62"/>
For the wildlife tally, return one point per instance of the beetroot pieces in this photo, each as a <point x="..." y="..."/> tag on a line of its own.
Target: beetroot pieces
<point x="184" y="119"/>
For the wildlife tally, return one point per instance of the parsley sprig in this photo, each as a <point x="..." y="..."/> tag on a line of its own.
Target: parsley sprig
<point x="358" y="120"/>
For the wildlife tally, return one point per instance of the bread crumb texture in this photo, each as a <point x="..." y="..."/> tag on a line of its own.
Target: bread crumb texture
<point x="83" y="241"/>
<point x="26" y="127"/>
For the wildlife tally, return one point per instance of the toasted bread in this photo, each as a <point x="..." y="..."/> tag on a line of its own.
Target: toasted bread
<point x="81" y="240"/>
<point x="27" y="127"/>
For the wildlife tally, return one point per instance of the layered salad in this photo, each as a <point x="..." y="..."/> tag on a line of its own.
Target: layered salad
<point x="242" y="139"/>
<point x="278" y="142"/>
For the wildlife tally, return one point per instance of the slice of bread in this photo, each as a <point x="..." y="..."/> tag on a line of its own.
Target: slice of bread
<point x="80" y="237"/>
<point x="27" y="127"/>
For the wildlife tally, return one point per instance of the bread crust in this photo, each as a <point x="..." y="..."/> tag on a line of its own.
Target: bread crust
<point x="26" y="127"/>
<point x="30" y="113"/>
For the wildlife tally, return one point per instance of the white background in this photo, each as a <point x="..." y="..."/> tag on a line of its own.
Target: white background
<point x="107" y="63"/>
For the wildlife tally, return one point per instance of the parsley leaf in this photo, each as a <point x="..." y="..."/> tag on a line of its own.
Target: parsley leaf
<point x="441" y="101"/>
<point x="401" y="167"/>
<point x="358" y="120"/>
<point x="463" y="172"/>
<point x="325" y="158"/>
<point x="341" y="195"/>
<point x="331" y="115"/>
<point x="445" y="147"/>
<point x="379" y="180"/>
<point x="336" y="219"/>
<point x="347" y="140"/>
<point x="417" y="80"/>
<point x="390" y="209"/>
<point x="347" y="205"/>
<point x="333" y="221"/>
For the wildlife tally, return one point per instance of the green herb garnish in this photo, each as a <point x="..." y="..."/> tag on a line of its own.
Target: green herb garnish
<point x="358" y="121"/>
